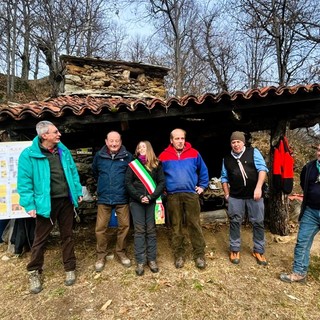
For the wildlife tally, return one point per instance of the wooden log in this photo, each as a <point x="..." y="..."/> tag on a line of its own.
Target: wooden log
<point x="214" y="216"/>
<point x="294" y="209"/>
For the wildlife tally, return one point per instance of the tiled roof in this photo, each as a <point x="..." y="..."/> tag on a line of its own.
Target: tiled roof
<point x="95" y="105"/>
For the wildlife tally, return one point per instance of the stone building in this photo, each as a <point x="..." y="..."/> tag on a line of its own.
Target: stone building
<point x="93" y="76"/>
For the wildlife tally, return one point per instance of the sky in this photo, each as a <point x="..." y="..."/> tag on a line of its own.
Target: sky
<point x="131" y="18"/>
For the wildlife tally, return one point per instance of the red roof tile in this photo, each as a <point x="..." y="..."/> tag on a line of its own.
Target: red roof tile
<point x="96" y="105"/>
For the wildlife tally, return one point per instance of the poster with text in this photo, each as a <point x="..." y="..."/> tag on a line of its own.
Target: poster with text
<point x="9" y="197"/>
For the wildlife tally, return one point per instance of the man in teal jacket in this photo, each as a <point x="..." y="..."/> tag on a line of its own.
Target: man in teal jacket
<point x="49" y="189"/>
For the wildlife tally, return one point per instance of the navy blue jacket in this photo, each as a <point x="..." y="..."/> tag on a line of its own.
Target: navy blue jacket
<point x="110" y="176"/>
<point x="311" y="189"/>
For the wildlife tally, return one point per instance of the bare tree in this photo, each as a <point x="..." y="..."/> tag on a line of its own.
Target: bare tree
<point x="278" y="19"/>
<point x="10" y="22"/>
<point x="26" y="25"/>
<point x="138" y="48"/>
<point x="257" y="58"/>
<point x="68" y="26"/>
<point x="308" y="16"/>
<point x="93" y="26"/>
<point x="174" y="20"/>
<point x="115" y="41"/>
<point x="214" y="48"/>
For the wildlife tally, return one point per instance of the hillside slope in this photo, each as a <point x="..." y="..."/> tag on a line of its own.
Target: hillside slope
<point x="25" y="91"/>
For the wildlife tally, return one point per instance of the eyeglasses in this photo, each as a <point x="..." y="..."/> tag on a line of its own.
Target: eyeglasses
<point x="53" y="132"/>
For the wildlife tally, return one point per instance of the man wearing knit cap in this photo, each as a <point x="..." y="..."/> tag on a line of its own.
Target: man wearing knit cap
<point x="243" y="174"/>
<point x="237" y="135"/>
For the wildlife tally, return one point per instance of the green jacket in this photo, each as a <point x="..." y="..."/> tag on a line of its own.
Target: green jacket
<point x="34" y="178"/>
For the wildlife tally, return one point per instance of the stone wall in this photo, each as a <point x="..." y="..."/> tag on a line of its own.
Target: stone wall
<point x="114" y="78"/>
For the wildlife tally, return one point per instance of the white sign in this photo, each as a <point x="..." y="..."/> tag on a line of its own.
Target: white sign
<point x="9" y="197"/>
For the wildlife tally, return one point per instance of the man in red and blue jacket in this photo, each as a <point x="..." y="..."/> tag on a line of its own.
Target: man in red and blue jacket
<point x="186" y="177"/>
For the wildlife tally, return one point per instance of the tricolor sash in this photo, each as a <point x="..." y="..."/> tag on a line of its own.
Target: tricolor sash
<point x="150" y="185"/>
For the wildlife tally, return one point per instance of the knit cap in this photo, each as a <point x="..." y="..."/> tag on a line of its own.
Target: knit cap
<point x="237" y="135"/>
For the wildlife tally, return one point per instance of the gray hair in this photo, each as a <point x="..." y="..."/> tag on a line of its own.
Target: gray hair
<point x="42" y="127"/>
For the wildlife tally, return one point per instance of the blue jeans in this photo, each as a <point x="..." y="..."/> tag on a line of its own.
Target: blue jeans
<point x="309" y="227"/>
<point x="236" y="212"/>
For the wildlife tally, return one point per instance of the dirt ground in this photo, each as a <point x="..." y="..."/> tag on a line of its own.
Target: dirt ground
<point x="221" y="291"/>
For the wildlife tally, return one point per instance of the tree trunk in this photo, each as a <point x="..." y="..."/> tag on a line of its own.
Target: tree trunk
<point x="279" y="213"/>
<point x="25" y="68"/>
<point x="55" y="75"/>
<point x="36" y="64"/>
<point x="278" y="208"/>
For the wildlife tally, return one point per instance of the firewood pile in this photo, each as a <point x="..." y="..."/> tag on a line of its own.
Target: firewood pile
<point x="83" y="158"/>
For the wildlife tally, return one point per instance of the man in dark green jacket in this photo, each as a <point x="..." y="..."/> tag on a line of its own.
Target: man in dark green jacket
<point x="49" y="189"/>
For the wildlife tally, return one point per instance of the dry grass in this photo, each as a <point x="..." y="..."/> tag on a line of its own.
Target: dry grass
<point x="221" y="291"/>
<point x="26" y="91"/>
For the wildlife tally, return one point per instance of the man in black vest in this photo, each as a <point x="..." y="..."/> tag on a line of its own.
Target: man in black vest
<point x="243" y="174"/>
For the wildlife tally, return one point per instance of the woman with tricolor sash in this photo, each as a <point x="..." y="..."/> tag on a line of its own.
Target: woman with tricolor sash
<point x="145" y="183"/>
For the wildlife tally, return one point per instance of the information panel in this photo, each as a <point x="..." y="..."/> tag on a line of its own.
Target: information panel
<point x="9" y="198"/>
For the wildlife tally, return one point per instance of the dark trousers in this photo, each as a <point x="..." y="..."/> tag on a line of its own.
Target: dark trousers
<point x="62" y="212"/>
<point x="145" y="241"/>
<point x="186" y="206"/>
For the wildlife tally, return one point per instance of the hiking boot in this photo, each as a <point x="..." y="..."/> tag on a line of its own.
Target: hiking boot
<point x="109" y="256"/>
<point x="200" y="263"/>
<point x="125" y="261"/>
<point x="153" y="266"/>
<point x="261" y="259"/>
<point x="34" y="280"/>
<point x="293" y="277"/>
<point x="140" y="269"/>
<point x="99" y="265"/>
<point x="235" y="257"/>
<point x="70" y="278"/>
<point x="179" y="263"/>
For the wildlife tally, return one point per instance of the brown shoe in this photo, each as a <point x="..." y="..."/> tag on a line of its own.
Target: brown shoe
<point x="99" y="266"/>
<point x="153" y="266"/>
<point x="179" y="263"/>
<point x="261" y="259"/>
<point x="34" y="280"/>
<point x="200" y="263"/>
<point x="293" y="277"/>
<point x="235" y="257"/>
<point x="70" y="278"/>
<point x="125" y="261"/>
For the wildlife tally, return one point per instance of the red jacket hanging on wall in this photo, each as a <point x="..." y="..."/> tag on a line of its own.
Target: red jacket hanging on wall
<point x="283" y="167"/>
